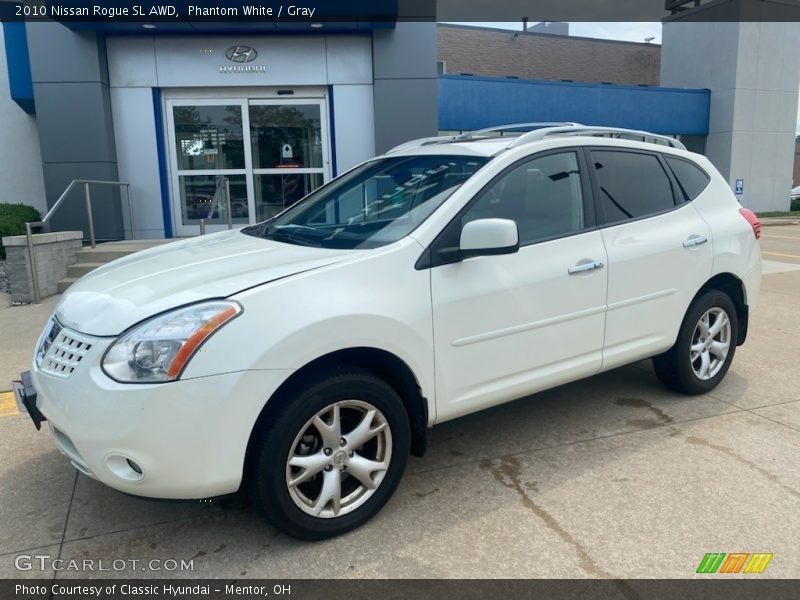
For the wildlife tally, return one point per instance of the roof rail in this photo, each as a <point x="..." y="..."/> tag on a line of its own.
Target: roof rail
<point x="445" y="139"/>
<point x="573" y="130"/>
<point x="501" y="129"/>
<point x="480" y="133"/>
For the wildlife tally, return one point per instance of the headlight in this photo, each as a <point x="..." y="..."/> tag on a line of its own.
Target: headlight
<point x="159" y="349"/>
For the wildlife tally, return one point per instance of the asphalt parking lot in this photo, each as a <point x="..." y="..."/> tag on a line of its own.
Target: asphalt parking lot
<point x="612" y="476"/>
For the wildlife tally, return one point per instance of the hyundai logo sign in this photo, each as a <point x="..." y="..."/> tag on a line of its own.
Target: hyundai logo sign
<point x="241" y="54"/>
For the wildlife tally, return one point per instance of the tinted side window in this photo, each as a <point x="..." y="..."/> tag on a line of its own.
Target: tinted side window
<point x="543" y="196"/>
<point x="632" y="185"/>
<point x="691" y="178"/>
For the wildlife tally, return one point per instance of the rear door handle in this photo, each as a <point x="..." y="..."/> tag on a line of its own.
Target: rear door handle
<point x="694" y="240"/>
<point x="582" y="268"/>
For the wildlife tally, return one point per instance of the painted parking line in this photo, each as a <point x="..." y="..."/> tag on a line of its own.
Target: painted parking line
<point x="779" y="254"/>
<point x="781" y="237"/>
<point x="769" y="267"/>
<point x="8" y="406"/>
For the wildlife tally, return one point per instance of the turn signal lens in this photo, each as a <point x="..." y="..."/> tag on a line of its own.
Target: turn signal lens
<point x="198" y="337"/>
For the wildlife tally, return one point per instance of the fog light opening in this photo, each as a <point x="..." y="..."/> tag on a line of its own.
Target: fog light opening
<point x="125" y="467"/>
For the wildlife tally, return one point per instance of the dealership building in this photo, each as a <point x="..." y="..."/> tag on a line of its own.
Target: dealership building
<point x="192" y="114"/>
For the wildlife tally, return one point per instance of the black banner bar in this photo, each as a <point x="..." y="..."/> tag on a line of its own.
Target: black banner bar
<point x="391" y="11"/>
<point x="714" y="587"/>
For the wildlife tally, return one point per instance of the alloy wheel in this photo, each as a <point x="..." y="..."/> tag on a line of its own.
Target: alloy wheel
<point x="339" y="459"/>
<point x="711" y="342"/>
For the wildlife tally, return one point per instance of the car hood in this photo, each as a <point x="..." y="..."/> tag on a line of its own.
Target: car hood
<point x="115" y="296"/>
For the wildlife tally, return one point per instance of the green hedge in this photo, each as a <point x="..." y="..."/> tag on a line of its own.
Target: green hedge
<point x="795" y="204"/>
<point x="12" y="220"/>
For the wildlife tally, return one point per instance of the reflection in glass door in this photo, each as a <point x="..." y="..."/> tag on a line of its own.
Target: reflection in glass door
<point x="271" y="152"/>
<point x="288" y="153"/>
<point x="209" y="147"/>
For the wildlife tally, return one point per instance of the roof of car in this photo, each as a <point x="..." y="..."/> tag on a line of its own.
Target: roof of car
<point x="485" y="148"/>
<point x="491" y="142"/>
<point x="490" y="148"/>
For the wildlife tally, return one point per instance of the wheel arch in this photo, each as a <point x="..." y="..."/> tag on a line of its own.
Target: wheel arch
<point x="734" y="287"/>
<point x="382" y="363"/>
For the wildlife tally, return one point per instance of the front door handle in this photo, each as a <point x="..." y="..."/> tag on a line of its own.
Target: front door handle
<point x="694" y="240"/>
<point x="587" y="266"/>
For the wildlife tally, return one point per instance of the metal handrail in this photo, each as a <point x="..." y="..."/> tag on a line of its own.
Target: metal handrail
<point x="227" y="184"/>
<point x="88" y="198"/>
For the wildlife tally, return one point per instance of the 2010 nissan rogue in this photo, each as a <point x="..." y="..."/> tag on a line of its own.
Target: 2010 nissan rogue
<point x="304" y="358"/>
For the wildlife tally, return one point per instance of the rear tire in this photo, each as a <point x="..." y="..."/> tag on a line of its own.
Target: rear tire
<point x="706" y="343"/>
<point x="331" y="456"/>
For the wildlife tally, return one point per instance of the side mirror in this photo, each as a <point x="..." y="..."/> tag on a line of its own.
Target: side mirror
<point x="489" y="236"/>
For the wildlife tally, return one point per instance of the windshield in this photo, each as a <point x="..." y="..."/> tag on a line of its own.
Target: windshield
<point x="375" y="204"/>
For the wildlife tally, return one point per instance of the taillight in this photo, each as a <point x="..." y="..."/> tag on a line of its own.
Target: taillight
<point x="751" y="218"/>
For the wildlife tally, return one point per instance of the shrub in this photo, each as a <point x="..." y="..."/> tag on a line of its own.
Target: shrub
<point x="795" y="204"/>
<point x="12" y="221"/>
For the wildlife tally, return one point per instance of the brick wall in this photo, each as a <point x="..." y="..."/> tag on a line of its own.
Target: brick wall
<point x="498" y="53"/>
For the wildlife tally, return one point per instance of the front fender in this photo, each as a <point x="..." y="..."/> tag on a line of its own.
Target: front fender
<point x="379" y="301"/>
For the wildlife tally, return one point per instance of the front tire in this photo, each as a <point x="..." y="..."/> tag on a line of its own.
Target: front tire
<point x="331" y="457"/>
<point x="706" y="343"/>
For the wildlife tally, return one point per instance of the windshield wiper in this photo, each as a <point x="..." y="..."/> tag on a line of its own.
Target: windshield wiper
<point x="286" y="236"/>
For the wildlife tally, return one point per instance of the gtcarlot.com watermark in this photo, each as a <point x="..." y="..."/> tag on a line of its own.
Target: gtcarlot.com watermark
<point x="45" y="562"/>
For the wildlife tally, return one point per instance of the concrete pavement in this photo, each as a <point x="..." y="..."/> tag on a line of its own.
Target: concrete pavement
<point x="20" y="327"/>
<point x="613" y="476"/>
<point x="781" y="243"/>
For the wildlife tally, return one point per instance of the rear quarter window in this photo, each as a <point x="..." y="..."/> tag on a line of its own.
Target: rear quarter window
<point x="632" y="185"/>
<point x="691" y="179"/>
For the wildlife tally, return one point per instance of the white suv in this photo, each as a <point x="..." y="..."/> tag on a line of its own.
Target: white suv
<point x="303" y="358"/>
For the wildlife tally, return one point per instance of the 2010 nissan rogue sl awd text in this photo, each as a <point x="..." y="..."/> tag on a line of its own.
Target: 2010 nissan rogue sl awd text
<point x="303" y="358"/>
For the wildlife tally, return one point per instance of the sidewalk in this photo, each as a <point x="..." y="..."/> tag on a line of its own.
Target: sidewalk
<point x="20" y="327"/>
<point x="778" y="221"/>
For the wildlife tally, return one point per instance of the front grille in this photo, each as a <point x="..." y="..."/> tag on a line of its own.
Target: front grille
<point x="61" y="350"/>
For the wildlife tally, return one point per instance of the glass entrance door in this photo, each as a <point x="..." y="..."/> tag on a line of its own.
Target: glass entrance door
<point x="289" y="155"/>
<point x="269" y="153"/>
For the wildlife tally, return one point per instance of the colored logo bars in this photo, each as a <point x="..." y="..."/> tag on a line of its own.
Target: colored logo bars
<point x="736" y="562"/>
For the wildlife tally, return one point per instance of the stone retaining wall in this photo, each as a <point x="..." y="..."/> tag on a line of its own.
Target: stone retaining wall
<point x="53" y="251"/>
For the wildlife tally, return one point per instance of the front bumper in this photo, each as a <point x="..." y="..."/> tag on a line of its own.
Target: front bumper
<point x="180" y="440"/>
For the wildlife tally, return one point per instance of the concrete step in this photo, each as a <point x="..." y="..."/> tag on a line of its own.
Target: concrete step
<point x="109" y="251"/>
<point x="63" y="284"/>
<point x="96" y="255"/>
<point x="91" y="258"/>
<point x="80" y="269"/>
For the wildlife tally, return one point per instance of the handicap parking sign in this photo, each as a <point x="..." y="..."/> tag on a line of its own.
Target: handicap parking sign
<point x="739" y="189"/>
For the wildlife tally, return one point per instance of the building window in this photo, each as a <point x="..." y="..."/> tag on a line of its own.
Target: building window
<point x="441" y="67"/>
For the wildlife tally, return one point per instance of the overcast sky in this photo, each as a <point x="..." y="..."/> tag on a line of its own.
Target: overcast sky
<point x="628" y="32"/>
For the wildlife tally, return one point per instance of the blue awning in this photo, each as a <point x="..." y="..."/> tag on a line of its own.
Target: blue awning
<point x="467" y="103"/>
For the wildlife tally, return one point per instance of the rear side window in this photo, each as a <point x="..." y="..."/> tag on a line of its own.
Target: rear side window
<point x="632" y="185"/>
<point x="691" y="179"/>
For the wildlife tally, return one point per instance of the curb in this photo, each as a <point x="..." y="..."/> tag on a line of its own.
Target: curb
<point x="779" y="223"/>
<point x="8" y="405"/>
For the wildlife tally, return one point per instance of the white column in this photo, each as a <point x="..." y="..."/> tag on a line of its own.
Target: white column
<point x="753" y="72"/>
